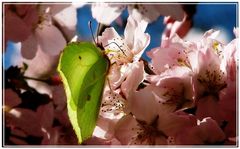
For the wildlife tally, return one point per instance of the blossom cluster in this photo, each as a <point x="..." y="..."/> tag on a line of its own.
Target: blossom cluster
<point x="185" y="94"/>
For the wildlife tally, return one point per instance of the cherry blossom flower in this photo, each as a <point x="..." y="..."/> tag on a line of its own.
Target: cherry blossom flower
<point x="172" y="53"/>
<point x="223" y="105"/>
<point x="146" y="12"/>
<point x="153" y="125"/>
<point x="112" y="109"/>
<point x="215" y="85"/>
<point x="55" y="26"/>
<point x="209" y="73"/>
<point x="41" y="26"/>
<point x="25" y="16"/>
<point x="122" y="52"/>
<point x="174" y="88"/>
<point x="159" y="131"/>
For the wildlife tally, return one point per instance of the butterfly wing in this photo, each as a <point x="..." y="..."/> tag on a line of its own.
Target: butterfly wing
<point x="83" y="69"/>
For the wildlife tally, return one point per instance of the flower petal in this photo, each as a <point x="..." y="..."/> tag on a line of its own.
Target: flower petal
<point x="45" y="114"/>
<point x="135" y="37"/>
<point x="115" y="47"/>
<point x="26" y="120"/>
<point x="50" y="39"/>
<point x="208" y="107"/>
<point x="133" y="79"/>
<point x="106" y="13"/>
<point x="29" y="47"/>
<point x="67" y="17"/>
<point x="13" y="33"/>
<point x="200" y="134"/>
<point x="143" y="104"/>
<point x="11" y="98"/>
<point x="126" y="129"/>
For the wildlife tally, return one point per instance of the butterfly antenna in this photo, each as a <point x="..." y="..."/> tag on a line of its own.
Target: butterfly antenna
<point x="117" y="46"/>
<point x="90" y="27"/>
<point x="98" y="32"/>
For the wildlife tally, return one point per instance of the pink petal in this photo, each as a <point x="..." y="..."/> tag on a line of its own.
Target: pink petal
<point x="126" y="129"/>
<point x="115" y="47"/>
<point x="115" y="76"/>
<point x="208" y="107"/>
<point x="13" y="33"/>
<point x="165" y="58"/>
<point x="22" y="9"/>
<point x="236" y="32"/>
<point x="50" y="39"/>
<point x="26" y="120"/>
<point x="208" y="61"/>
<point x="59" y="97"/>
<point x="108" y="34"/>
<point x="11" y="98"/>
<point x="29" y="47"/>
<point x="228" y="106"/>
<point x="143" y="104"/>
<point x="200" y="133"/>
<point x="135" y="37"/>
<point x="230" y="58"/>
<point x="172" y="123"/>
<point x="18" y="132"/>
<point x="45" y="114"/>
<point x="105" y="13"/>
<point x="133" y="79"/>
<point x="97" y="141"/>
<point x="66" y="17"/>
<point x="18" y="141"/>
<point x="51" y="136"/>
<point x="180" y="28"/>
<point x="62" y="117"/>
<point x="31" y="16"/>
<point x="107" y="125"/>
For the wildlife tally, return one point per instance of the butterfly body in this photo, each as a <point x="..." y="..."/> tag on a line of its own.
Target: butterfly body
<point x="83" y="68"/>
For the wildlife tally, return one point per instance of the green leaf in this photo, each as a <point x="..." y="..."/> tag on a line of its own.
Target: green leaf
<point x="83" y="69"/>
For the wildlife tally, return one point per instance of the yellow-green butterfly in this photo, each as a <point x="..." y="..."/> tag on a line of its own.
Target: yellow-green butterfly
<point x="83" y="68"/>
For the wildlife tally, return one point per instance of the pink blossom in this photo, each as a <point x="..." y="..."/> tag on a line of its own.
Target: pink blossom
<point x="40" y="26"/>
<point x="132" y="131"/>
<point x="149" y="121"/>
<point x="209" y="75"/>
<point x="174" y="88"/>
<point x="173" y="52"/>
<point x="47" y="33"/>
<point x="123" y="52"/>
<point x="25" y="16"/>
<point x="227" y="96"/>
<point x="129" y="48"/>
